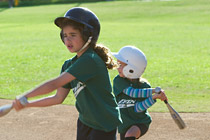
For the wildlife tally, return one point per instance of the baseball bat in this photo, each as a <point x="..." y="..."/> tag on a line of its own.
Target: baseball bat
<point x="175" y="115"/>
<point x="5" y="109"/>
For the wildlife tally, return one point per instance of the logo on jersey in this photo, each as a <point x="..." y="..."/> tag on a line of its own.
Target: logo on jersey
<point x="126" y="103"/>
<point x="80" y="86"/>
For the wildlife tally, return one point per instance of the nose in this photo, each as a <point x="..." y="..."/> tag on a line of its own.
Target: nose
<point x="119" y="68"/>
<point x="67" y="38"/>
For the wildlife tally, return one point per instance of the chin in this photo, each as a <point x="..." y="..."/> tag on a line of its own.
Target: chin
<point x="71" y="51"/>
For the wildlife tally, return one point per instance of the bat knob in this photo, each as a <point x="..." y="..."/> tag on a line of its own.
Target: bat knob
<point x="157" y="90"/>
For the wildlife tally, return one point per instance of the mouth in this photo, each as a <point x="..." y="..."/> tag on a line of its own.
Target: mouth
<point x="69" y="46"/>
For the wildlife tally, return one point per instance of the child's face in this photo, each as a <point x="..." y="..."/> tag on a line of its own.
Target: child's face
<point x="120" y="68"/>
<point x="72" y="39"/>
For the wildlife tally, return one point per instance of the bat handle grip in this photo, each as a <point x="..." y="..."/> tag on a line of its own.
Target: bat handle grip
<point x="23" y="100"/>
<point x="158" y="90"/>
<point x="166" y="102"/>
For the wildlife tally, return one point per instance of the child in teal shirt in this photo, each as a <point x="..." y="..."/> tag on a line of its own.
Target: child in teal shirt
<point x="133" y="93"/>
<point x="86" y="74"/>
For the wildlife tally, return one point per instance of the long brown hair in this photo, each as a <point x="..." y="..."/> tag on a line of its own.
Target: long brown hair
<point x="105" y="55"/>
<point x="100" y="49"/>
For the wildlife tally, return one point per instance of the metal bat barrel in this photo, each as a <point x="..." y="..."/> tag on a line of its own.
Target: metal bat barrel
<point x="5" y="109"/>
<point x="175" y="115"/>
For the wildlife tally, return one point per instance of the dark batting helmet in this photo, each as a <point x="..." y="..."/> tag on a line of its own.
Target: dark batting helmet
<point x="85" y="17"/>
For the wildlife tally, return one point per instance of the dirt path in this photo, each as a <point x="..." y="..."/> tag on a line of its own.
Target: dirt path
<point x="59" y="123"/>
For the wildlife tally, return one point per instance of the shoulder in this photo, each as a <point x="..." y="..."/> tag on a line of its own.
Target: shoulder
<point x="67" y="63"/>
<point x="145" y="83"/>
<point x="86" y="60"/>
<point x="119" y="84"/>
<point x="119" y="79"/>
<point x="92" y="58"/>
<point x="89" y="55"/>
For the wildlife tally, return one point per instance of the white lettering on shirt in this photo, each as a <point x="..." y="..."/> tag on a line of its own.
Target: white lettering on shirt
<point x="126" y="103"/>
<point x="80" y="86"/>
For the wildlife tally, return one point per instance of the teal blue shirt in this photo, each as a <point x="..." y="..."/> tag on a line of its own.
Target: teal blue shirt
<point x="126" y="104"/>
<point x="95" y="102"/>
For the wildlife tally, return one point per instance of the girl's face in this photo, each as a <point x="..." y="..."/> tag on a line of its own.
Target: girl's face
<point x="72" y="39"/>
<point x="120" y="68"/>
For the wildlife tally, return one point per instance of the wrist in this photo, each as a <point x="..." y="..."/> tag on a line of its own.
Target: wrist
<point x="154" y="97"/>
<point x="23" y="100"/>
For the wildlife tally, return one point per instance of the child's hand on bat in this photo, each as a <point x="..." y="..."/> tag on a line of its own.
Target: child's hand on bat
<point x="161" y="95"/>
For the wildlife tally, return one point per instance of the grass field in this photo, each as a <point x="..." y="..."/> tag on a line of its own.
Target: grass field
<point x="173" y="34"/>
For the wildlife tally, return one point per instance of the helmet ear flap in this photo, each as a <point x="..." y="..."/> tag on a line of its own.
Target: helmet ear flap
<point x="132" y="72"/>
<point x="87" y="32"/>
<point x="128" y="71"/>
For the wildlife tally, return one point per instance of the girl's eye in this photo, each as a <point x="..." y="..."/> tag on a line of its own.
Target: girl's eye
<point x="73" y="35"/>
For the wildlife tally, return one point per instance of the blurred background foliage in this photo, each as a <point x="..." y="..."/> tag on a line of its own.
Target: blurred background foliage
<point x="4" y="3"/>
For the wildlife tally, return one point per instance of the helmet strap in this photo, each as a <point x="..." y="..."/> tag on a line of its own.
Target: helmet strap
<point x="86" y="44"/>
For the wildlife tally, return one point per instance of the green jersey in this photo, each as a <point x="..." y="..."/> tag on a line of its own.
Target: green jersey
<point x="95" y="102"/>
<point x="126" y="104"/>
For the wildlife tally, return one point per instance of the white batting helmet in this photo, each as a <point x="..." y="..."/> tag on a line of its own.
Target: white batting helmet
<point x="135" y="59"/>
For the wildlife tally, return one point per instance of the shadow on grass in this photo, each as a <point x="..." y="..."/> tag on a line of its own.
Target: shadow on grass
<point x="3" y="9"/>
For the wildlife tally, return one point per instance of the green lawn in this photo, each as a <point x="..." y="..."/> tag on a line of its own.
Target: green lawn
<point x="173" y="34"/>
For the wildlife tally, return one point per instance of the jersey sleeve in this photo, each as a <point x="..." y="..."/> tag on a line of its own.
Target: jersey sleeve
<point x="119" y="84"/>
<point x="83" y="69"/>
<point x="143" y="105"/>
<point x="138" y="93"/>
<point x="64" y="66"/>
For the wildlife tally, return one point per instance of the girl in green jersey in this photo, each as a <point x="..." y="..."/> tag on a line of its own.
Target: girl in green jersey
<point x="133" y="93"/>
<point x="86" y="74"/>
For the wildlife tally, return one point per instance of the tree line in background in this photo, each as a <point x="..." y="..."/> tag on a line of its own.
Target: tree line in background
<point x="12" y="3"/>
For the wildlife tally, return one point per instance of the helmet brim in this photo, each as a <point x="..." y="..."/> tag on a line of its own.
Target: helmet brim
<point x="59" y="21"/>
<point x="119" y="57"/>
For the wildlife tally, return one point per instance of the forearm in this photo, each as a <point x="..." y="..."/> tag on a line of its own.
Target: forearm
<point x="46" y="88"/>
<point x="44" y="102"/>
<point x="139" y="93"/>
<point x="42" y="89"/>
<point x="58" y="98"/>
<point x="50" y="85"/>
<point x="141" y="106"/>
